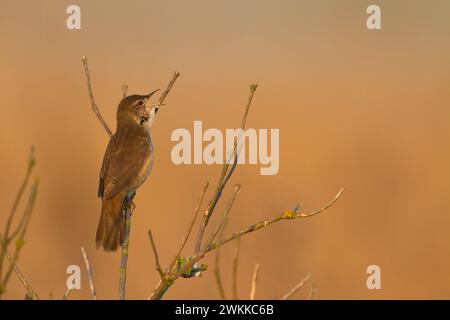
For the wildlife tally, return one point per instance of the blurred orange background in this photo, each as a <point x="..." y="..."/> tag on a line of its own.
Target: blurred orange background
<point x="366" y="110"/>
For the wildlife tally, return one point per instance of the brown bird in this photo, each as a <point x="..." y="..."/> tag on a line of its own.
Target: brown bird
<point x="127" y="163"/>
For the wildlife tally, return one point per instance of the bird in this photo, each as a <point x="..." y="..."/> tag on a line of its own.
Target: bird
<point x="127" y="163"/>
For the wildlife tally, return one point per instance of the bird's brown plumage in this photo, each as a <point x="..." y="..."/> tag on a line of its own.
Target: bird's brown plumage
<point x="126" y="165"/>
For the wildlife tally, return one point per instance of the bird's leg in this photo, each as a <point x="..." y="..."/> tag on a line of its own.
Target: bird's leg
<point x="128" y="202"/>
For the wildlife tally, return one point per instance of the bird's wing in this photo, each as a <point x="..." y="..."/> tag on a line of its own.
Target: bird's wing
<point x="124" y="160"/>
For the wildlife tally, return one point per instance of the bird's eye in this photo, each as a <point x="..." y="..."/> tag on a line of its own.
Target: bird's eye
<point x="140" y="102"/>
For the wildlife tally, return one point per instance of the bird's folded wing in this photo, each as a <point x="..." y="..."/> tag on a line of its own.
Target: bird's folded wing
<point x="123" y="162"/>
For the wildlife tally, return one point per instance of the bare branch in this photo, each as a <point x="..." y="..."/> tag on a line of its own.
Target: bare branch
<point x="22" y="229"/>
<point x="91" y="97"/>
<point x="7" y="237"/>
<point x="254" y="281"/>
<point x="90" y="274"/>
<point x="31" y="164"/>
<point x="235" y="269"/>
<point x="287" y="215"/>
<point x="155" y="253"/>
<point x="296" y="288"/>
<point x="162" y="287"/>
<point x="33" y="295"/>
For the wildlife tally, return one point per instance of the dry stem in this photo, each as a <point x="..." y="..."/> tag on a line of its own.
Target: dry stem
<point x="235" y="269"/>
<point x="296" y="288"/>
<point x="254" y="281"/>
<point x="155" y="253"/>
<point x="91" y="97"/>
<point x="20" y="231"/>
<point x="30" y="291"/>
<point x="90" y="274"/>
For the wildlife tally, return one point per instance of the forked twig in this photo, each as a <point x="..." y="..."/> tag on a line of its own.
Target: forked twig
<point x="224" y="177"/>
<point x="18" y="234"/>
<point x="32" y="294"/>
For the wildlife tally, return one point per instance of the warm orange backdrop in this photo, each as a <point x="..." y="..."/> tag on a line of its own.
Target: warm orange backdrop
<point x="367" y="110"/>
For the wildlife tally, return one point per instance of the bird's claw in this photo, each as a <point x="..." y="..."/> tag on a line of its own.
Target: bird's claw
<point x="131" y="206"/>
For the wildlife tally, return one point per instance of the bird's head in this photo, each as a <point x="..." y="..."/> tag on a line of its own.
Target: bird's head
<point x="136" y="110"/>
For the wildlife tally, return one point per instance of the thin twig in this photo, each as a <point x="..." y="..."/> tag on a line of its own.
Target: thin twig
<point x="20" y="275"/>
<point x="90" y="274"/>
<point x="287" y="215"/>
<point x="162" y="287"/>
<point x="217" y="275"/>
<point x="235" y="269"/>
<point x="296" y="288"/>
<point x="7" y="237"/>
<point x="254" y="281"/>
<point x="155" y="253"/>
<point x="219" y="231"/>
<point x="91" y="97"/>
<point x="124" y="90"/>
<point x="20" y="241"/>
<point x="168" y="88"/>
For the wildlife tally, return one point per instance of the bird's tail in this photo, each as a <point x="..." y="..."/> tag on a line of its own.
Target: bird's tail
<point x="111" y="227"/>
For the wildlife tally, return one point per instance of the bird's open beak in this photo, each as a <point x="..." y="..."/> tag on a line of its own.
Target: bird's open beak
<point x="152" y="93"/>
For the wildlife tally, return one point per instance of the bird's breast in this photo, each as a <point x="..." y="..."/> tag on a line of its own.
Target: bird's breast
<point x="147" y="164"/>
